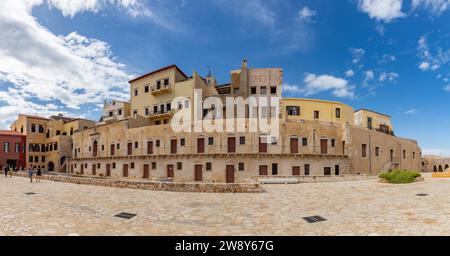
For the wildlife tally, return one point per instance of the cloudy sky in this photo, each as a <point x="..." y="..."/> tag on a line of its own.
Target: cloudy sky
<point x="392" y="56"/>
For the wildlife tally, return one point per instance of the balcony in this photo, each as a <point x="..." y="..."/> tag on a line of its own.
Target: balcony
<point x="161" y="89"/>
<point x="161" y="114"/>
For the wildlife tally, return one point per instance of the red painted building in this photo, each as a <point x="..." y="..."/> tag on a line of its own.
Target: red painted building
<point x="12" y="149"/>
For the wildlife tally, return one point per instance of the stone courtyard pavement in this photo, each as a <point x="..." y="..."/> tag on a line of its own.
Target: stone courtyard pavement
<point x="351" y="208"/>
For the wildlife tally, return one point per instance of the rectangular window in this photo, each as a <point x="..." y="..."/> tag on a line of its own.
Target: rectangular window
<point x="33" y="128"/>
<point x="179" y="165"/>
<point x="208" y="166"/>
<point x="147" y="112"/>
<point x="17" y="147"/>
<point x="6" y="147"/>
<point x="136" y="144"/>
<point x="158" y="143"/>
<point x="166" y="81"/>
<point x="333" y="143"/>
<point x="327" y="171"/>
<point x="304" y="141"/>
<point x="404" y="154"/>
<point x="30" y="159"/>
<point x="369" y="122"/>
<point x="118" y="145"/>
<point x="182" y="141"/>
<point x="146" y="88"/>
<point x="338" y="113"/>
<point x="120" y="112"/>
<point x="274" y="169"/>
<point x="114" y="165"/>
<point x="307" y="172"/>
<point x="135" y="92"/>
<point x="242" y="140"/>
<point x="273" y="90"/>
<point x="316" y="114"/>
<point x="263" y="90"/>
<point x="211" y="141"/>
<point x="132" y="165"/>
<point x="154" y="165"/>
<point x="253" y="90"/>
<point x="293" y="110"/>
<point x="241" y="167"/>
<point x="169" y="106"/>
<point x="364" y="150"/>
<point x="377" y="151"/>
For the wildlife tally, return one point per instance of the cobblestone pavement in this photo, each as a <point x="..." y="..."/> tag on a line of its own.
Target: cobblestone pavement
<point x="351" y="208"/>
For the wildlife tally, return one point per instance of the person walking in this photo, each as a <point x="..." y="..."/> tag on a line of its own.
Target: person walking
<point x="38" y="175"/>
<point x="30" y="174"/>
<point x="5" y="169"/>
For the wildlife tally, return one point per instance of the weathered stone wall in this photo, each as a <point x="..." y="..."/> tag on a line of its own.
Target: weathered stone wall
<point x="151" y="185"/>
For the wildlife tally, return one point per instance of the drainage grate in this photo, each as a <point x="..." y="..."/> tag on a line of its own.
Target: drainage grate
<point x="30" y="193"/>
<point x="125" y="215"/>
<point x="313" y="219"/>
<point x="422" y="194"/>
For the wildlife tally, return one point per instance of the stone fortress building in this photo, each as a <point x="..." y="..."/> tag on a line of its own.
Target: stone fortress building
<point x="317" y="138"/>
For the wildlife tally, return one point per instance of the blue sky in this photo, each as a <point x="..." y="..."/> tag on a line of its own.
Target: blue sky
<point x="392" y="56"/>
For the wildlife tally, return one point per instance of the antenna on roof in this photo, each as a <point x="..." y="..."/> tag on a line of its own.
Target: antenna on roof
<point x="209" y="71"/>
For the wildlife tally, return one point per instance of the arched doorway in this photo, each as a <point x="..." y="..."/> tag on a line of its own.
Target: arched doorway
<point x="446" y="167"/>
<point x="51" y="166"/>
<point x="435" y="169"/>
<point x="440" y="168"/>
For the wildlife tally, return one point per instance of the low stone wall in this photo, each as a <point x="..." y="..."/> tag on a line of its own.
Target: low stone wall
<point x="320" y="179"/>
<point x="151" y="185"/>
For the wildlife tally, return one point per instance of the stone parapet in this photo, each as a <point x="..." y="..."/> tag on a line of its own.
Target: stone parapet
<point x="151" y="185"/>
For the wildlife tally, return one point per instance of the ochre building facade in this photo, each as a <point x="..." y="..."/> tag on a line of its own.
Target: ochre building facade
<point x="316" y="137"/>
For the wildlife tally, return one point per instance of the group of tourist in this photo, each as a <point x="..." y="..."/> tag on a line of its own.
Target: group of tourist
<point x="31" y="171"/>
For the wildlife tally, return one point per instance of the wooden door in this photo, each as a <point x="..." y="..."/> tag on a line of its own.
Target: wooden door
<point x="230" y="174"/>
<point x="323" y="146"/>
<point x="94" y="169"/>
<point x="232" y="145"/>
<point x="150" y="147"/>
<point x="112" y="149"/>
<point x="198" y="172"/>
<point x="201" y="145"/>
<point x="71" y="168"/>
<point x="130" y="149"/>
<point x="108" y="170"/>
<point x="173" y="146"/>
<point x="262" y="145"/>
<point x="170" y="171"/>
<point x="295" y="170"/>
<point x="294" y="145"/>
<point x="263" y="170"/>
<point x="125" y="170"/>
<point x="146" y="173"/>
<point x="82" y="169"/>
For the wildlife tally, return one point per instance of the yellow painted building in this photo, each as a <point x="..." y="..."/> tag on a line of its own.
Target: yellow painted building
<point x="49" y="140"/>
<point x="317" y="110"/>
<point x="374" y="121"/>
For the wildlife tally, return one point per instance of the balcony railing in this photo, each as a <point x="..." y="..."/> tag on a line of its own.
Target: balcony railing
<point x="163" y="88"/>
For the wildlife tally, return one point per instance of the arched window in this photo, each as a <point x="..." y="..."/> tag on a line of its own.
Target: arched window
<point x="95" y="148"/>
<point x="435" y="169"/>
<point x="440" y="168"/>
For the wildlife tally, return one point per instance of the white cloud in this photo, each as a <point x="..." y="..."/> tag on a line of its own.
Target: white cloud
<point x="447" y="88"/>
<point x="369" y="75"/>
<point x="436" y="6"/>
<point x="386" y="58"/>
<point x="382" y="10"/>
<point x="313" y="84"/>
<point x="357" y="54"/>
<point x="388" y="76"/>
<point x="257" y="10"/>
<point x="411" y="112"/>
<point x="306" y="14"/>
<point x="431" y="58"/>
<point x="424" y="66"/>
<point x="39" y="67"/>
<point x="349" y="73"/>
